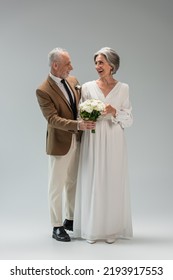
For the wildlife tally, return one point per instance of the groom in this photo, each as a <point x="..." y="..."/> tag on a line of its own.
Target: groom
<point x="58" y="98"/>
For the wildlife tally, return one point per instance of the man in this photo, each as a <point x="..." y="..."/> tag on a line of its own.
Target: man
<point x="58" y="98"/>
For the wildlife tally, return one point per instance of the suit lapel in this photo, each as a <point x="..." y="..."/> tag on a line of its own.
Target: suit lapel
<point x="58" y="91"/>
<point x="72" y="87"/>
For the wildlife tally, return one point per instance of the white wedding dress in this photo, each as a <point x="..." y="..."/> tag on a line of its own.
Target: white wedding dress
<point x="102" y="206"/>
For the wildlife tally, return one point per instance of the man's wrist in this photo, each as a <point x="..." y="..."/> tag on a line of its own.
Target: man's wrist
<point x="78" y="124"/>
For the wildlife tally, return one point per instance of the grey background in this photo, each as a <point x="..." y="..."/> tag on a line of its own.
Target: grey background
<point x="141" y="32"/>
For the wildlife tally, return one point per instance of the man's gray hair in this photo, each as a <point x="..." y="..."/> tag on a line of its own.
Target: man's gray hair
<point x="55" y="55"/>
<point x="111" y="56"/>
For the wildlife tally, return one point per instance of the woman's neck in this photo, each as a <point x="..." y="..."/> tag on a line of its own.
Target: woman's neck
<point x="109" y="80"/>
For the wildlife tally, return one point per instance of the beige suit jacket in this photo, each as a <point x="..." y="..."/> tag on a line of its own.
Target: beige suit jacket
<point x="58" y="113"/>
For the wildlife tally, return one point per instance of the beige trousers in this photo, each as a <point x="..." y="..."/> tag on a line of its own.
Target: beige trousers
<point x="62" y="178"/>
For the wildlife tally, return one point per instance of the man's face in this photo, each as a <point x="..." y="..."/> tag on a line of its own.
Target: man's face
<point x="62" y="68"/>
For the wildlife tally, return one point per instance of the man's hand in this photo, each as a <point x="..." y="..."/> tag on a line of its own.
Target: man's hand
<point x="86" y="125"/>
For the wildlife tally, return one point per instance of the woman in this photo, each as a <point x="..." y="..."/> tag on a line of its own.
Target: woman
<point x="102" y="210"/>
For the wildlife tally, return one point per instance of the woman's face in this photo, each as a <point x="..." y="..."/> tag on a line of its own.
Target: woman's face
<point x="102" y="66"/>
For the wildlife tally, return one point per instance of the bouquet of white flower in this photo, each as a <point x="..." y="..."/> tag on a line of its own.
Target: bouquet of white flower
<point x="91" y="109"/>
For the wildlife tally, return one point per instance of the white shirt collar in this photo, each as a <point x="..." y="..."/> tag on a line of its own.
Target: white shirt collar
<point x="60" y="85"/>
<point x="56" y="79"/>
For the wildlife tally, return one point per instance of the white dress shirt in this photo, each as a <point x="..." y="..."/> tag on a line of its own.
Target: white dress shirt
<point x="61" y="86"/>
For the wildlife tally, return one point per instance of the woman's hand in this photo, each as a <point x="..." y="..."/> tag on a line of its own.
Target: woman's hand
<point x="109" y="110"/>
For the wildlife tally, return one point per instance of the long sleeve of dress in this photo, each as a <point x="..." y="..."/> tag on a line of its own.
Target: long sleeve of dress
<point x="124" y="114"/>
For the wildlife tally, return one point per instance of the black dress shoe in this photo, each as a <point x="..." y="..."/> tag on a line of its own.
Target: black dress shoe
<point x="68" y="224"/>
<point x="60" y="234"/>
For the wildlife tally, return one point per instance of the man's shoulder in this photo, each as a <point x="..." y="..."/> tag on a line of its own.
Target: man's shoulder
<point x="44" y="84"/>
<point x="71" y="79"/>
